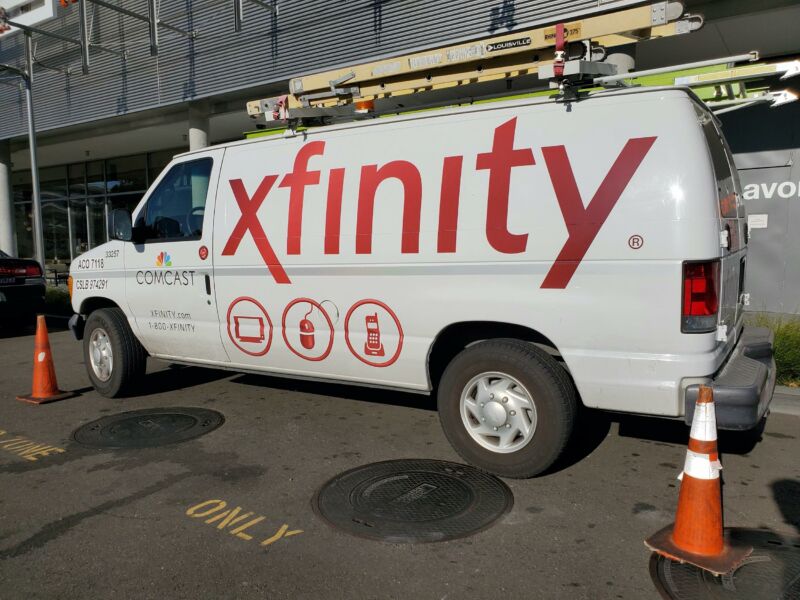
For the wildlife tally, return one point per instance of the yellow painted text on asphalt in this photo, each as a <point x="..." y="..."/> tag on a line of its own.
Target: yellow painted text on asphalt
<point x="237" y="522"/>
<point x="27" y="449"/>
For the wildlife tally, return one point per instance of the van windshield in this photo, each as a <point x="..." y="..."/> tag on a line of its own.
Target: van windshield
<point x="175" y="209"/>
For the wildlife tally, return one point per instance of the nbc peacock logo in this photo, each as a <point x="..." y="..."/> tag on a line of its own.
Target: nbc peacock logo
<point x="163" y="260"/>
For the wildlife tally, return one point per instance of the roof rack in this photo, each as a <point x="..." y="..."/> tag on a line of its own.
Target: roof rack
<point x="569" y="54"/>
<point x="735" y="88"/>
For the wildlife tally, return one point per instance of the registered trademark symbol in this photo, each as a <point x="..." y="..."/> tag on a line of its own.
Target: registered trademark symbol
<point x="635" y="242"/>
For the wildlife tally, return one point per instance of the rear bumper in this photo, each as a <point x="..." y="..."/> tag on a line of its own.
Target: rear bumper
<point x="21" y="300"/>
<point x="743" y="386"/>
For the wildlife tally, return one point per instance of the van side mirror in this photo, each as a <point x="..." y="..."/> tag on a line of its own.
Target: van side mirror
<point x="120" y="225"/>
<point x="139" y="233"/>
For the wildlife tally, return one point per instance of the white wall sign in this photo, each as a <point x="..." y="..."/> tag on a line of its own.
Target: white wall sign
<point x="757" y="221"/>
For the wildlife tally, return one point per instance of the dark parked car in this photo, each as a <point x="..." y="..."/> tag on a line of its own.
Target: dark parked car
<point x="21" y="290"/>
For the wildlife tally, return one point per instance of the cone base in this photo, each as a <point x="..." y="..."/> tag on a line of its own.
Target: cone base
<point x="732" y="555"/>
<point x="31" y="399"/>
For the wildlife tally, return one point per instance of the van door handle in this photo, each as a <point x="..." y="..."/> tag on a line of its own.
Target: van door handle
<point x="208" y="284"/>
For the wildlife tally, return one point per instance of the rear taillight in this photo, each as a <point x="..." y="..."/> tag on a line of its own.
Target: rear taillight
<point x="700" y="296"/>
<point x="33" y="271"/>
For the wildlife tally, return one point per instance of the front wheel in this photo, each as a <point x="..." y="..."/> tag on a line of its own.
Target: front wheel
<point x="114" y="358"/>
<point x="507" y="407"/>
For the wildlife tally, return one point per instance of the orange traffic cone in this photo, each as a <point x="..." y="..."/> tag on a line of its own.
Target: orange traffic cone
<point x="697" y="536"/>
<point x="45" y="386"/>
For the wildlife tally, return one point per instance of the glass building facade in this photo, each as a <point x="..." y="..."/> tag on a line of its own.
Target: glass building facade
<point x="76" y="201"/>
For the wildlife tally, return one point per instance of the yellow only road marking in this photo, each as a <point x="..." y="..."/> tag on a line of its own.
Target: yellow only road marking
<point x="282" y="532"/>
<point x="226" y="520"/>
<point x="27" y="449"/>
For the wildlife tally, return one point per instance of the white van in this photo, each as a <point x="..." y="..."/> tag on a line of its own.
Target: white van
<point x="516" y="258"/>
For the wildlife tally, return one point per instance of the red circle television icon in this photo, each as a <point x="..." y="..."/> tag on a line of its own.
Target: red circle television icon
<point x="373" y="333"/>
<point x="307" y="329"/>
<point x="249" y="326"/>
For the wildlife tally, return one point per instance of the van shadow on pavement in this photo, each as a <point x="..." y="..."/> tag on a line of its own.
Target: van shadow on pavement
<point x="175" y="377"/>
<point x="340" y="390"/>
<point x="590" y="430"/>
<point x="786" y="493"/>
<point x="676" y="432"/>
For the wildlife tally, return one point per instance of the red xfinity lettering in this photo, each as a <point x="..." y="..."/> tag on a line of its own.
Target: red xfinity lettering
<point x="297" y="181"/>
<point x="371" y="178"/>
<point x="584" y="223"/>
<point x="499" y="162"/>
<point x="333" y="213"/>
<point x="448" y="203"/>
<point x="249" y="221"/>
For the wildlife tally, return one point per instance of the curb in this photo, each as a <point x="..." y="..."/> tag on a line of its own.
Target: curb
<point x="787" y="391"/>
<point x="786" y="401"/>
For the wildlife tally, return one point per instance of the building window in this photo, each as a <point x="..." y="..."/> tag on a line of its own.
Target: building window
<point x="97" y="222"/>
<point x="76" y="179"/>
<point x="21" y="187"/>
<point x="23" y="228"/>
<point x="79" y="226"/>
<point x="156" y="161"/>
<point x="126" y="174"/>
<point x="76" y="200"/>
<point x="53" y="182"/>
<point x="55" y="227"/>
<point x="95" y="178"/>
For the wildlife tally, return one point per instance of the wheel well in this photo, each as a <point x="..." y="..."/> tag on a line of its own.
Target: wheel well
<point x="90" y="305"/>
<point x="454" y="338"/>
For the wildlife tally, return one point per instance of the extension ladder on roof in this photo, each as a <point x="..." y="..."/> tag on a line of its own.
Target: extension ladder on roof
<point x="563" y="51"/>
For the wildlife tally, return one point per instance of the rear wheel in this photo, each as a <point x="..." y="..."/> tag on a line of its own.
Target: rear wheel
<point x="114" y="358"/>
<point x="507" y="407"/>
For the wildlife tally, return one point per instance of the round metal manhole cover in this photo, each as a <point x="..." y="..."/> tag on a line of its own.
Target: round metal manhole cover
<point x="771" y="571"/>
<point x="148" y="428"/>
<point x="412" y="501"/>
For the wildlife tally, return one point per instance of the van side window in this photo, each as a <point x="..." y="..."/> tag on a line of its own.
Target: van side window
<point x="175" y="209"/>
<point x="722" y="168"/>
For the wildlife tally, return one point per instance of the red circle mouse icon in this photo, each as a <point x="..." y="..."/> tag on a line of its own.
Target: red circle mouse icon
<point x="307" y="329"/>
<point x="307" y="332"/>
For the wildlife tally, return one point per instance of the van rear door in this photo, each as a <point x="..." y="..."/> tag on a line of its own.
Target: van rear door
<point x="732" y="223"/>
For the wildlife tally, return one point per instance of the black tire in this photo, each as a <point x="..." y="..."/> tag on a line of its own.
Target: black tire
<point x="129" y="357"/>
<point x="548" y="385"/>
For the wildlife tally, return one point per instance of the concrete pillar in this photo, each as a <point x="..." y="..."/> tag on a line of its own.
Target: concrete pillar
<point x="198" y="125"/>
<point x="7" y="244"/>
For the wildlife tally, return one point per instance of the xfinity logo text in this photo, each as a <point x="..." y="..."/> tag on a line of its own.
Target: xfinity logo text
<point x="583" y="217"/>
<point x="767" y="191"/>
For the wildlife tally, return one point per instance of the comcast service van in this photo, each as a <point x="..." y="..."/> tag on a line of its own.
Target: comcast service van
<point x="517" y="259"/>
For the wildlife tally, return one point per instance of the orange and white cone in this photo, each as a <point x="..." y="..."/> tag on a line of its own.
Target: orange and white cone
<point x="45" y="386"/>
<point x="697" y="536"/>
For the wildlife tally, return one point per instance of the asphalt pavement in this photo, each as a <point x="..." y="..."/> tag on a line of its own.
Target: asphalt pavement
<point x="78" y="522"/>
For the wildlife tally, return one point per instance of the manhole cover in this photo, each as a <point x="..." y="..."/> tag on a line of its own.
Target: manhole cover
<point x="409" y="501"/>
<point x="148" y="428"/>
<point x="771" y="571"/>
